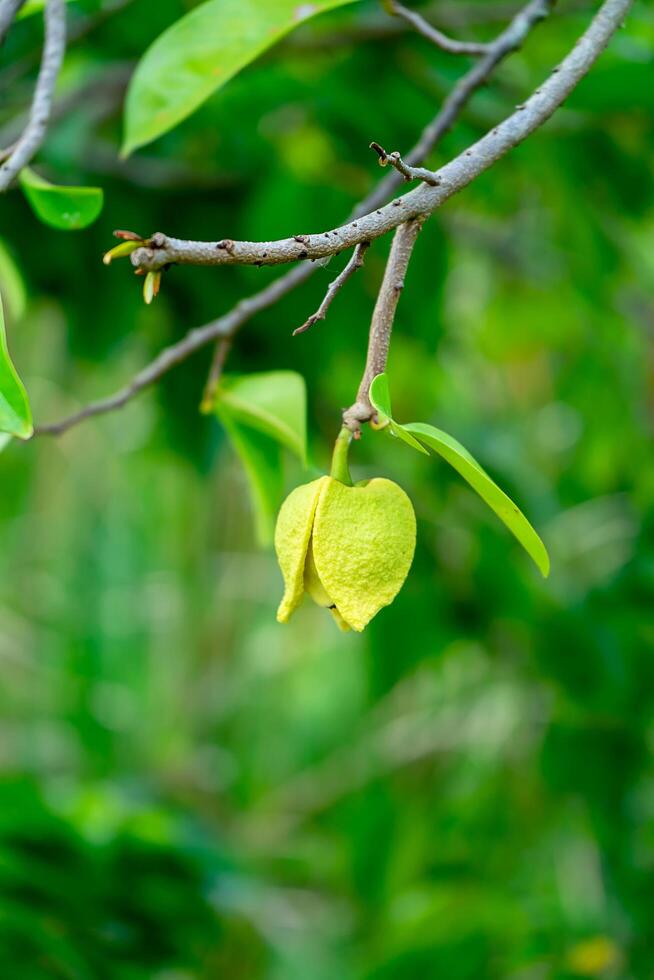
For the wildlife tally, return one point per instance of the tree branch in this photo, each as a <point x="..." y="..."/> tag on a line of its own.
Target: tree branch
<point x="436" y="37"/>
<point x="383" y="318"/>
<point x="356" y="261"/>
<point x="34" y="133"/>
<point x="231" y="322"/>
<point x="418" y="203"/>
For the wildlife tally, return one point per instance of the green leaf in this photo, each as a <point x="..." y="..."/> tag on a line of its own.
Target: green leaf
<point x="120" y="251"/>
<point x="508" y="512"/>
<point x="262" y="413"/>
<point x="15" y="414"/>
<point x="274" y="402"/>
<point x="381" y="401"/>
<point x="5" y="439"/>
<point x="465" y="464"/>
<point x="66" y="208"/>
<point x="199" y="53"/>
<point x="261" y="457"/>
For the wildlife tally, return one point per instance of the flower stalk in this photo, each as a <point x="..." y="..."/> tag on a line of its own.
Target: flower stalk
<point x="340" y="465"/>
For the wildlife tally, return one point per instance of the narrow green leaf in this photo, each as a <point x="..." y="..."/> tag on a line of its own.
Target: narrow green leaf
<point x="5" y="439"/>
<point x="261" y="457"/>
<point x="15" y="414"/>
<point x="465" y="464"/>
<point x="274" y="402"/>
<point x="508" y="512"/>
<point x="381" y="401"/>
<point x="66" y="208"/>
<point x="120" y="251"/>
<point x="201" y="51"/>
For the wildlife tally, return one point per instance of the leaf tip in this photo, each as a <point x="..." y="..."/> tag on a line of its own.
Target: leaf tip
<point x="544" y="565"/>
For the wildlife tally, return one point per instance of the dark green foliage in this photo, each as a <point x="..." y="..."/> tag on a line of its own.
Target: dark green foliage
<point x="464" y="792"/>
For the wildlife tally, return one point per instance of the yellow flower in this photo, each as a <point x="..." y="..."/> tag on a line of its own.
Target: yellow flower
<point x="349" y="547"/>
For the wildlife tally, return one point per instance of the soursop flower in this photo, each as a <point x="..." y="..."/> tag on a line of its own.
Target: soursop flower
<point x="349" y="547"/>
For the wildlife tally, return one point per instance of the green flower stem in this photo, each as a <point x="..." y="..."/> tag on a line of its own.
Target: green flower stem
<point x="340" y="469"/>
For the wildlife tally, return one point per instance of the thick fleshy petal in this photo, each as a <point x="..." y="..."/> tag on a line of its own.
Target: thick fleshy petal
<point x="363" y="543"/>
<point x="313" y="585"/>
<point x="292" y="536"/>
<point x="312" y="582"/>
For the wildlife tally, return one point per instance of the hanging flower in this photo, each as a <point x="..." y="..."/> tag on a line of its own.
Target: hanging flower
<point x="349" y="547"/>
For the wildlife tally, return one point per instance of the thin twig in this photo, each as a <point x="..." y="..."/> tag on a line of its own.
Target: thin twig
<point x="409" y="173"/>
<point x="374" y="26"/>
<point x="436" y="37"/>
<point x="383" y="317"/>
<point x="220" y="354"/>
<point x="8" y="11"/>
<point x="34" y="133"/>
<point x="225" y="326"/>
<point x="355" y="262"/>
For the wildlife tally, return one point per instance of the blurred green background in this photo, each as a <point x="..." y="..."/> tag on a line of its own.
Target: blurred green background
<point x="465" y="791"/>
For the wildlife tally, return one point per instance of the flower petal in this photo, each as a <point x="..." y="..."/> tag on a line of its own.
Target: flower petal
<point x="363" y="543"/>
<point x="312" y="582"/>
<point x="292" y="536"/>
